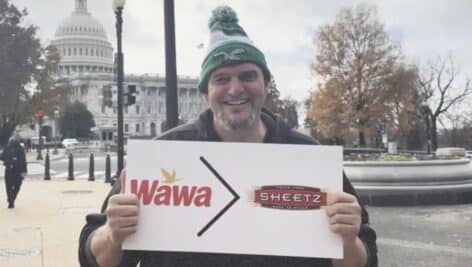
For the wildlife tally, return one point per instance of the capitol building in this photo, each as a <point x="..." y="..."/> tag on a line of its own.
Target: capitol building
<point x="87" y="60"/>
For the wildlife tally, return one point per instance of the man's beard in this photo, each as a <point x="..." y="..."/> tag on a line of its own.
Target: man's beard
<point x="234" y="125"/>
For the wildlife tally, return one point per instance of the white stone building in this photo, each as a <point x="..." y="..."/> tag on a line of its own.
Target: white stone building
<point x="87" y="59"/>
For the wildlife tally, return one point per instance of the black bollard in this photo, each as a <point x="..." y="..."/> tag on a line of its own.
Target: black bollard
<point x="108" y="170"/>
<point x="91" y="169"/>
<point x="71" y="167"/>
<point x="47" y="173"/>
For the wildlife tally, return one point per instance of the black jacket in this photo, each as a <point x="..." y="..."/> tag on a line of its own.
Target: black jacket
<point x="14" y="159"/>
<point x="202" y="130"/>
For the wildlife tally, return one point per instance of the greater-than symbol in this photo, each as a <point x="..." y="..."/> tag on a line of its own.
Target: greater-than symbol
<point x="231" y="203"/>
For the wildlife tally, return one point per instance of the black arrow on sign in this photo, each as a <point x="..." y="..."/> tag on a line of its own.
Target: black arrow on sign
<point x="231" y="203"/>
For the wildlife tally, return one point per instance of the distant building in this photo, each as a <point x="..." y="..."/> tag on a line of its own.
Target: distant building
<point x="87" y="60"/>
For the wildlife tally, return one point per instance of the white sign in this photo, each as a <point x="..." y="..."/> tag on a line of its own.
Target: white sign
<point x="239" y="198"/>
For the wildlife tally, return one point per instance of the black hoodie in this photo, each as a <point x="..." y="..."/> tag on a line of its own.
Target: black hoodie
<point x="202" y="130"/>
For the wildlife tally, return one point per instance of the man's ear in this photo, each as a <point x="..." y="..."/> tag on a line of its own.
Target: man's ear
<point x="266" y="88"/>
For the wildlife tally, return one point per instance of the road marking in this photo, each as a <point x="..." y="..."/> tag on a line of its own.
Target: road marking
<point x="466" y="252"/>
<point x="86" y="158"/>
<point x="78" y="175"/>
<point x="82" y="175"/>
<point x="61" y="175"/>
<point x="66" y="174"/>
<point x="85" y="175"/>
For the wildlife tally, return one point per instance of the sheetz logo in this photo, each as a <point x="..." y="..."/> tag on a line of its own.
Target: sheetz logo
<point x="165" y="192"/>
<point x="291" y="197"/>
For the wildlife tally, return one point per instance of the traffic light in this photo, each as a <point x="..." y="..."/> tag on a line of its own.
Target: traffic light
<point x="40" y="115"/>
<point x="107" y="97"/>
<point x="131" y="95"/>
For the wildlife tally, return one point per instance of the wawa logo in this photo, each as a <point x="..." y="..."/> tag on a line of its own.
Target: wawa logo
<point x="291" y="197"/>
<point x="167" y="193"/>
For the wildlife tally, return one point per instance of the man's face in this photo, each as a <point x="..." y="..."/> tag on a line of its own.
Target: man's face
<point x="236" y="94"/>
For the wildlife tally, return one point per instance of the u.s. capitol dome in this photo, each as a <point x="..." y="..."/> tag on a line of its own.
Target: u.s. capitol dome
<point x="82" y="43"/>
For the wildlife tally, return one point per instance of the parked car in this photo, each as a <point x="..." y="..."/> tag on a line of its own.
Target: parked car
<point x="69" y="143"/>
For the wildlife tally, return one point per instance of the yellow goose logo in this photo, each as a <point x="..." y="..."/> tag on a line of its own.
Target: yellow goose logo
<point x="168" y="177"/>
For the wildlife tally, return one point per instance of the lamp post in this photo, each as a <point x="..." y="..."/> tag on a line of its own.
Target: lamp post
<point x="172" y="112"/>
<point x="40" y="115"/>
<point x="56" y="117"/>
<point x="426" y="113"/>
<point x="118" y="6"/>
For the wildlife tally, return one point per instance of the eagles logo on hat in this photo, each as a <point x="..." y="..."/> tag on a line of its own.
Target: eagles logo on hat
<point x="229" y="43"/>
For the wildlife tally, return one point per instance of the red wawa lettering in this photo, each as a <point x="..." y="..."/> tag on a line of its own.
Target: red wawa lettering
<point x="175" y="195"/>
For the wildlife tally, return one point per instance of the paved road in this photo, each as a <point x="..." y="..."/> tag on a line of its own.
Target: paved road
<point x="60" y="167"/>
<point x="432" y="236"/>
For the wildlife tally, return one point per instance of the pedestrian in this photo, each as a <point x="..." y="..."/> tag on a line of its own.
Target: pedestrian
<point x="234" y="80"/>
<point x="14" y="160"/>
<point x="28" y="144"/>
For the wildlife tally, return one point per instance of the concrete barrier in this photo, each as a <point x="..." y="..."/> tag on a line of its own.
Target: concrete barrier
<point x="450" y="151"/>
<point x="412" y="182"/>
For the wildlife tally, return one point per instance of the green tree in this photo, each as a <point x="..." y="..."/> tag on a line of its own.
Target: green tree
<point x="20" y="55"/>
<point x="52" y="92"/>
<point x="76" y="121"/>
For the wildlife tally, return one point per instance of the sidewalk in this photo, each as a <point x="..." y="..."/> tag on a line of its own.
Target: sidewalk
<point x="44" y="227"/>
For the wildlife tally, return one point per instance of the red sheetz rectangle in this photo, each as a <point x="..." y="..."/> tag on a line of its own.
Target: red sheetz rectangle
<point x="292" y="197"/>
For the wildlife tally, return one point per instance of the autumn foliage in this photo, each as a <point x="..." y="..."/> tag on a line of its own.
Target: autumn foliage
<point x="354" y="65"/>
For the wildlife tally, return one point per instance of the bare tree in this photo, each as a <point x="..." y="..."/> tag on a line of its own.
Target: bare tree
<point x="440" y="91"/>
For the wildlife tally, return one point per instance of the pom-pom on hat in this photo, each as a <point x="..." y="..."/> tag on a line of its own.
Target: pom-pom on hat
<point x="228" y="44"/>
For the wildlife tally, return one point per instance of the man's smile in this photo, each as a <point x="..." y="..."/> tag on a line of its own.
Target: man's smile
<point x="236" y="102"/>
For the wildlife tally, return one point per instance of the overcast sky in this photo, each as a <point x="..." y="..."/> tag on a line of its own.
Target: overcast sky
<point x="283" y="30"/>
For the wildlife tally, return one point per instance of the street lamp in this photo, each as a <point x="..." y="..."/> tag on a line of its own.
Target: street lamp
<point x="426" y="113"/>
<point x="56" y="117"/>
<point x="40" y="115"/>
<point x="172" y="111"/>
<point x="118" y="6"/>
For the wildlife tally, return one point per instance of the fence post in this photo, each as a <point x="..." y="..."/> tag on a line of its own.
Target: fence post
<point x="108" y="170"/>
<point x="91" y="168"/>
<point x="47" y="173"/>
<point x="71" y="167"/>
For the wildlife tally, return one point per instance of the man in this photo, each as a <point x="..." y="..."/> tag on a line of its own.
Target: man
<point x="14" y="160"/>
<point x="234" y="81"/>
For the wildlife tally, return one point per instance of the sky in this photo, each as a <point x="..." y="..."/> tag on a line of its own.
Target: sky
<point x="282" y="29"/>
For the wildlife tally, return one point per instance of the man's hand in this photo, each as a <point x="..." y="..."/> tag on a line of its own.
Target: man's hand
<point x="122" y="220"/>
<point x="344" y="214"/>
<point x="122" y="214"/>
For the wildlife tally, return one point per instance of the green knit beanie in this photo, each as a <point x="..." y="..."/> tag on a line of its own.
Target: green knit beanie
<point x="228" y="44"/>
